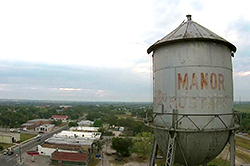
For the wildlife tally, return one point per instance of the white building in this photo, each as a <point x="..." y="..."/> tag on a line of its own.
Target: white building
<point x="9" y="137"/>
<point x="85" y="123"/>
<point x="84" y="129"/>
<point x="45" y="128"/>
<point x="45" y="151"/>
<point x="76" y="134"/>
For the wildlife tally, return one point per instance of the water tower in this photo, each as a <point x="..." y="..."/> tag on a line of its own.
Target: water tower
<point x="193" y="117"/>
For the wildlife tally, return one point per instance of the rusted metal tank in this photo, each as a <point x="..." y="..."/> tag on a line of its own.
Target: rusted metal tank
<point x="193" y="92"/>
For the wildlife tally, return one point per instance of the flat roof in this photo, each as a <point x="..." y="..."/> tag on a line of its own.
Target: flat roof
<point x="39" y="120"/>
<point x="66" y="156"/>
<point x="9" y="134"/>
<point x="27" y="124"/>
<point x="69" y="141"/>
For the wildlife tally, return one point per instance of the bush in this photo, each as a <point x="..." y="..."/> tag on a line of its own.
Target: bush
<point x="1" y="147"/>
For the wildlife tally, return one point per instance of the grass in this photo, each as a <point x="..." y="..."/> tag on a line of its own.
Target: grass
<point x="123" y="116"/>
<point x="24" y="137"/>
<point x="6" y="146"/>
<point x="93" y="161"/>
<point x="244" y="143"/>
<point x="246" y="110"/>
<point x="243" y="156"/>
<point x="219" y="162"/>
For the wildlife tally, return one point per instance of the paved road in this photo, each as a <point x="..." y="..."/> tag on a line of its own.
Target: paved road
<point x="14" y="160"/>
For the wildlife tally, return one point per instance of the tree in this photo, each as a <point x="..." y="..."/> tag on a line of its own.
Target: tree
<point x="97" y="144"/>
<point x="98" y="123"/>
<point x="122" y="145"/>
<point x="57" y="122"/>
<point x="138" y="127"/>
<point x="1" y="147"/>
<point x="143" y="143"/>
<point x="73" y="124"/>
<point x="93" y="115"/>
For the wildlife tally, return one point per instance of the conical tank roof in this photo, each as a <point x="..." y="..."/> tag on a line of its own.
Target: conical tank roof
<point x="190" y="30"/>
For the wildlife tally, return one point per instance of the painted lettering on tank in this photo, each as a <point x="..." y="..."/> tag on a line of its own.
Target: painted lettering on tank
<point x="164" y="103"/>
<point x="200" y="81"/>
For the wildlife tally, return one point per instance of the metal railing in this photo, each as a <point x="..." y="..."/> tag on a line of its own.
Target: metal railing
<point x="178" y="117"/>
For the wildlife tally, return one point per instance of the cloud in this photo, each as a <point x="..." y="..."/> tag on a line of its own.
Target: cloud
<point x="143" y="68"/>
<point x="70" y="89"/>
<point x="245" y="73"/>
<point x="66" y="82"/>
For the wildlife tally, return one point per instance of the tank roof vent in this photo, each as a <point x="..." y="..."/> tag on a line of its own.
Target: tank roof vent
<point x="189" y="17"/>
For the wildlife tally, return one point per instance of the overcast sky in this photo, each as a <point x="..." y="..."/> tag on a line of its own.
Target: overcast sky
<point x="97" y="50"/>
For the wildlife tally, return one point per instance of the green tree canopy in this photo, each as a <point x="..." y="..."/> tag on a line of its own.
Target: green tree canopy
<point x="143" y="144"/>
<point x="122" y="145"/>
<point x="73" y="124"/>
<point x="98" y="123"/>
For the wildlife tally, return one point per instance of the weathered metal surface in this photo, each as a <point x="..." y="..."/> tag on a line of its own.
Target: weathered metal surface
<point x="192" y="70"/>
<point x="190" y="30"/>
<point x="192" y="84"/>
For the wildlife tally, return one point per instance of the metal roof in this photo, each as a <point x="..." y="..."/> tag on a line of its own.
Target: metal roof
<point x="190" y="30"/>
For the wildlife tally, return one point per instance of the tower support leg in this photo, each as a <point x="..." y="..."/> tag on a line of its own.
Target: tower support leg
<point x="232" y="148"/>
<point x="154" y="153"/>
<point x="171" y="150"/>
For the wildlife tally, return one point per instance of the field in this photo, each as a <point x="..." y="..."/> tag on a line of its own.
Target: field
<point x="24" y="137"/>
<point x="242" y="143"/>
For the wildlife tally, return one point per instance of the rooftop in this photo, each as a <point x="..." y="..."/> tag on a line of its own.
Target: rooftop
<point x="79" y="128"/>
<point x="70" y="141"/>
<point x="59" y="116"/>
<point x="38" y="120"/>
<point x="66" y="156"/>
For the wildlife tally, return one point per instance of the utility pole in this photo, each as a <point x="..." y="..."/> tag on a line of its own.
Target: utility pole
<point x="102" y="158"/>
<point x="20" y="153"/>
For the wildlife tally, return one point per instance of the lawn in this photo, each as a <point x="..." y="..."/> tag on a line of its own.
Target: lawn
<point x="6" y="146"/>
<point x="219" y="161"/>
<point x="24" y="137"/>
<point x="244" y="143"/>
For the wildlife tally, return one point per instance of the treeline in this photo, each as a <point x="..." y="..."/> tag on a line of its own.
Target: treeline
<point x="14" y="116"/>
<point x="244" y="109"/>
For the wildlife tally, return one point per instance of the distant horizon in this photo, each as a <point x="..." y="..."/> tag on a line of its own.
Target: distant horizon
<point x="47" y="100"/>
<point x="2" y="99"/>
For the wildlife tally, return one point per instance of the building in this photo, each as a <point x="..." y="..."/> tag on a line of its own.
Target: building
<point x="45" y="151"/>
<point x="28" y="126"/>
<point x="69" y="143"/>
<point x="63" y="118"/>
<point x="84" y="129"/>
<point x="76" y="134"/>
<point x="68" y="158"/>
<point x="9" y="137"/>
<point x="32" y="124"/>
<point x="85" y="123"/>
<point x="45" y="128"/>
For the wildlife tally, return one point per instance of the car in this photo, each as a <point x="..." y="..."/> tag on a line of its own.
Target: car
<point x="159" y="157"/>
<point x="12" y="130"/>
<point x="8" y="152"/>
<point x="5" y="152"/>
<point x="38" y="137"/>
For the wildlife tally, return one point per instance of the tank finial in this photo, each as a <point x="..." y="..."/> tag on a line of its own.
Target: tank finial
<point x="189" y="17"/>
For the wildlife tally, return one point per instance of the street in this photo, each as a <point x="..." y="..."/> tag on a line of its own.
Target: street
<point x="15" y="159"/>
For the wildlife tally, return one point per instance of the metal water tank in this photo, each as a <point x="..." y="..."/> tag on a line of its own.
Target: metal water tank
<point x="193" y="93"/>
